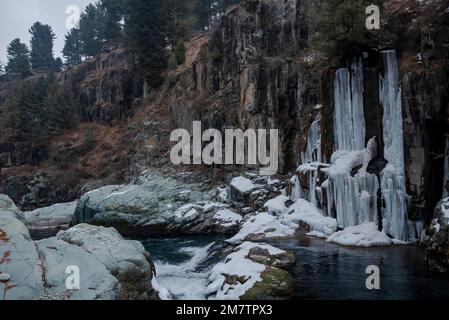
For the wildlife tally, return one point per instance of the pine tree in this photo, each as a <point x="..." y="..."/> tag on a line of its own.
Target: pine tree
<point x="180" y="52"/>
<point x="58" y="64"/>
<point x="341" y="27"/>
<point x="178" y="24"/>
<point x="18" y="59"/>
<point x="72" y="48"/>
<point x="92" y="26"/>
<point x="42" y="38"/>
<point x="113" y="15"/>
<point x="203" y="13"/>
<point x="144" y="32"/>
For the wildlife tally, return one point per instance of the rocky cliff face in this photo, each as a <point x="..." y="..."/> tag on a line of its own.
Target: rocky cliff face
<point x="250" y="75"/>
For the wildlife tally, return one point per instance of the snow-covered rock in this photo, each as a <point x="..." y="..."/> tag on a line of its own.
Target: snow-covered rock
<point x="364" y="235"/>
<point x="437" y="254"/>
<point x="156" y="206"/>
<point x="240" y="277"/>
<point x="51" y="219"/>
<point x="227" y="220"/>
<point x="284" y="223"/>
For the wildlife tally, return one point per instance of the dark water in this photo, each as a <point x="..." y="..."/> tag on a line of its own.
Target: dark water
<point x="328" y="271"/>
<point x="323" y="271"/>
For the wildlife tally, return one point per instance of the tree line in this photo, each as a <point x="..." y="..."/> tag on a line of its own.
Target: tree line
<point x="146" y="27"/>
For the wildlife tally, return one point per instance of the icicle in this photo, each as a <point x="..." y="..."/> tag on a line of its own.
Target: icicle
<point x="349" y="120"/>
<point x="393" y="176"/>
<point x="446" y="170"/>
<point x="313" y="151"/>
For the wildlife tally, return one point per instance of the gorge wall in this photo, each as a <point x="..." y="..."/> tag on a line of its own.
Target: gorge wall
<point x="257" y="69"/>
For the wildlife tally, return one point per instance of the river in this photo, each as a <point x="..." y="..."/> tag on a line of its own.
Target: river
<point x="323" y="271"/>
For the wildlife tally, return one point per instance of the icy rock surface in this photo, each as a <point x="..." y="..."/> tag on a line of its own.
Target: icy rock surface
<point x="393" y="176"/>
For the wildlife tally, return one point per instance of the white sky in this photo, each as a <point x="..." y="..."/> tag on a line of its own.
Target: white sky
<point x="17" y="16"/>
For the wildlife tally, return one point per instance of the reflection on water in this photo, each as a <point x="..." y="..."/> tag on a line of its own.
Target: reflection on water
<point x="328" y="271"/>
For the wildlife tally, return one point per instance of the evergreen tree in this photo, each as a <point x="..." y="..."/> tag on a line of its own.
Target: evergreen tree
<point x="72" y="48"/>
<point x="341" y="27"/>
<point x="180" y="52"/>
<point x="92" y="26"/>
<point x="42" y="38"/>
<point x="178" y="24"/>
<point x="203" y="12"/>
<point x="58" y="64"/>
<point x="18" y="59"/>
<point x="144" y="31"/>
<point x="113" y="17"/>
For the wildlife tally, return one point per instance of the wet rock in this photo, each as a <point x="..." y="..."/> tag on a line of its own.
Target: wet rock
<point x="282" y="260"/>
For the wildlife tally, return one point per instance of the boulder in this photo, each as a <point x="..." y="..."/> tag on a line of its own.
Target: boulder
<point x="109" y="266"/>
<point x="154" y="205"/>
<point x="116" y="268"/>
<point x="20" y="264"/>
<point x="48" y="221"/>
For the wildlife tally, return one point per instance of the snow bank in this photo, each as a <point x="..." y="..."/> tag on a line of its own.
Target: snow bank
<point x="364" y="235"/>
<point x="284" y="223"/>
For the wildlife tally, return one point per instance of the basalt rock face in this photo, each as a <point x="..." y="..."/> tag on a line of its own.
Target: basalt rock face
<point x="426" y="106"/>
<point x="106" y="87"/>
<point x="249" y="75"/>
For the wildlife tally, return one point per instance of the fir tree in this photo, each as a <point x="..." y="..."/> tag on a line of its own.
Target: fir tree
<point x="144" y="31"/>
<point x="42" y="38"/>
<point x="92" y="26"/>
<point x="18" y="59"/>
<point x="113" y="17"/>
<point x="72" y="48"/>
<point x="180" y="52"/>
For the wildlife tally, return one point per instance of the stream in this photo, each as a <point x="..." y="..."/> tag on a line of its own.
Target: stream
<point x="323" y="271"/>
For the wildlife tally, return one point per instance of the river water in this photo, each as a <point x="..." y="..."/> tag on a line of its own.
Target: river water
<point x="323" y="271"/>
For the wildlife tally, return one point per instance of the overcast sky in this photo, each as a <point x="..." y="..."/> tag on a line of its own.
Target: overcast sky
<point x="17" y="16"/>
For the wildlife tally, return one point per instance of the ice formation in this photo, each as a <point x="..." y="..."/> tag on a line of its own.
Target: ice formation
<point x="349" y="120"/>
<point x="393" y="176"/>
<point x="351" y="192"/>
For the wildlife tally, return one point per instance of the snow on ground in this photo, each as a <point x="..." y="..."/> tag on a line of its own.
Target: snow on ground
<point x="277" y="223"/>
<point x="243" y="184"/>
<point x="237" y="264"/>
<point x="364" y="235"/>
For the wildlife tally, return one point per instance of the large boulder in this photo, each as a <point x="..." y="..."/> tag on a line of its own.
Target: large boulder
<point x="114" y="268"/>
<point x="154" y="205"/>
<point x="110" y="267"/>
<point x="20" y="264"/>
<point x="48" y="221"/>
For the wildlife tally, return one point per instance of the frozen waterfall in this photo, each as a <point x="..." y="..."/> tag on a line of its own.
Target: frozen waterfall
<point x="349" y="120"/>
<point x="313" y="151"/>
<point x="393" y="176"/>
<point x="351" y="192"/>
